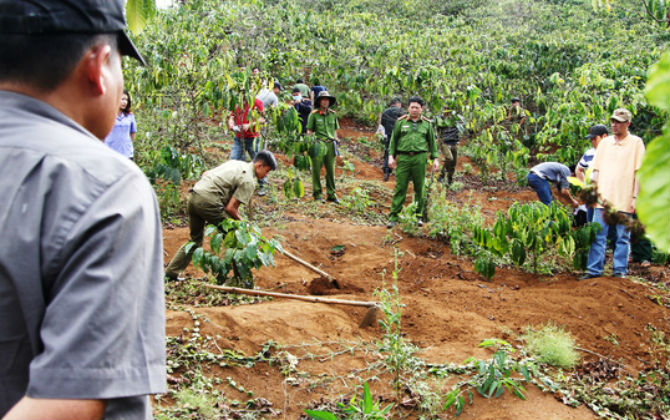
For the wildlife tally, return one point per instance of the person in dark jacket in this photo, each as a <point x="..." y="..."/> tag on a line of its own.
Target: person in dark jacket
<point x="303" y="106"/>
<point x="387" y="122"/>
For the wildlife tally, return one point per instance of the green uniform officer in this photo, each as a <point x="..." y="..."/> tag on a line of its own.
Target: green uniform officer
<point x="218" y="196"/>
<point x="322" y="122"/>
<point x="412" y="140"/>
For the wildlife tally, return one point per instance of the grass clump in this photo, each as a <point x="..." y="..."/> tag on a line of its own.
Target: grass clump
<point x="552" y="345"/>
<point x="201" y="403"/>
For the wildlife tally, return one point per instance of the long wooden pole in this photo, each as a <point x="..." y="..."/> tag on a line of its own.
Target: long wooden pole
<point x="313" y="299"/>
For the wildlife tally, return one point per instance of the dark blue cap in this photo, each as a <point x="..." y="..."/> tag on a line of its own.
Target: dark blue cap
<point x="32" y="17"/>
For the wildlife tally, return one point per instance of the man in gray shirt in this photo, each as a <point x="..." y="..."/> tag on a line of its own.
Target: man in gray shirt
<point x="542" y="174"/>
<point x="269" y="97"/>
<point x="82" y="321"/>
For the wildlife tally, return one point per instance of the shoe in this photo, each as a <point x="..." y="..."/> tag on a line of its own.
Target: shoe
<point x="419" y="223"/>
<point x="386" y="176"/>
<point x="645" y="263"/>
<point x="619" y="275"/>
<point x="261" y="192"/>
<point x="321" y="199"/>
<point x="588" y="276"/>
<point x="173" y="277"/>
<point x="390" y="224"/>
<point x="334" y="200"/>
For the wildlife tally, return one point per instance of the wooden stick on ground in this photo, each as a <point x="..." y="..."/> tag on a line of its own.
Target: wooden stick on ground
<point x="313" y="299"/>
<point x="369" y="318"/>
<point x="330" y="278"/>
<point x="602" y="357"/>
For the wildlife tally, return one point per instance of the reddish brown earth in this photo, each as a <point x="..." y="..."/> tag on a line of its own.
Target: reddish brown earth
<point x="449" y="310"/>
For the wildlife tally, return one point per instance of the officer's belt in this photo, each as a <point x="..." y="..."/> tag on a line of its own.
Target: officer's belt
<point x="327" y="140"/>
<point x="410" y="153"/>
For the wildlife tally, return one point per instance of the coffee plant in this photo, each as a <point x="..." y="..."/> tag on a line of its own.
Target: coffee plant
<point x="237" y="247"/>
<point x="529" y="231"/>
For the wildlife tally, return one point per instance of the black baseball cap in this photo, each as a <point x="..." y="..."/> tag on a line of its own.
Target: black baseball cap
<point x="40" y="17"/>
<point x="597" y="130"/>
<point x="278" y="86"/>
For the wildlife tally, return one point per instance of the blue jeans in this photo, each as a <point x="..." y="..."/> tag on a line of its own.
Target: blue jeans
<point x="238" y="151"/>
<point x="596" y="260"/>
<point x="251" y="147"/>
<point x="541" y="187"/>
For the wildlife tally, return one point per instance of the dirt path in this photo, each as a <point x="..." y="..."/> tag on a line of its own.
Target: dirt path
<point x="449" y="310"/>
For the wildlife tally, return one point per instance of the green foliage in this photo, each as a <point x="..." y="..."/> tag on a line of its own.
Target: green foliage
<point x="320" y="415"/>
<point x="172" y="166"/>
<point x="357" y="200"/>
<point x="485" y="267"/>
<point x="398" y="352"/>
<point x="236" y="246"/>
<point x="452" y="223"/>
<point x="365" y="408"/>
<point x="357" y="409"/>
<point x="654" y="197"/>
<point x="531" y="230"/>
<point x="138" y="13"/>
<point x="293" y="186"/>
<point x="492" y="376"/>
<point x="202" y="403"/>
<point x="169" y="200"/>
<point x="408" y="219"/>
<point x="552" y="345"/>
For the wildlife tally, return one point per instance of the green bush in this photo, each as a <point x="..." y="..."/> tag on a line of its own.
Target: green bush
<point x="553" y="345"/>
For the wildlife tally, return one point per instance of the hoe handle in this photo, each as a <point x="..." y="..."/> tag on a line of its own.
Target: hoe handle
<point x="313" y="299"/>
<point x="308" y="265"/>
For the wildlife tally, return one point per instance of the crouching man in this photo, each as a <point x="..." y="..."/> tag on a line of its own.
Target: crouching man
<point x="217" y="196"/>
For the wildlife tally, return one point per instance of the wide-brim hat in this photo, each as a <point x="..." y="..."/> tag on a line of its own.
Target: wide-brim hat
<point x="68" y="17"/>
<point x="324" y="94"/>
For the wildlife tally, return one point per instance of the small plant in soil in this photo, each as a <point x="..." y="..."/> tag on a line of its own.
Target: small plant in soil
<point x="491" y="377"/>
<point x="237" y="247"/>
<point x="358" y="409"/>
<point x="408" y="220"/>
<point x="357" y="200"/>
<point x="399" y="353"/>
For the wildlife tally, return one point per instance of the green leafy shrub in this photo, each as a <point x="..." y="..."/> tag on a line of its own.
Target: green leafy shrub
<point x="172" y="166"/>
<point x="491" y="377"/>
<point x="531" y="230"/>
<point x="237" y="246"/>
<point x="357" y="200"/>
<point x="552" y="345"/>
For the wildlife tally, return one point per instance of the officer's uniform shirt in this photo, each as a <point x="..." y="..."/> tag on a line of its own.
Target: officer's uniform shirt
<point x="82" y="313"/>
<point x="323" y="124"/>
<point x="413" y="136"/>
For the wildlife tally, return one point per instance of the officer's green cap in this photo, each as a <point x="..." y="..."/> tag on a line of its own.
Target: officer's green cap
<point x="44" y="17"/>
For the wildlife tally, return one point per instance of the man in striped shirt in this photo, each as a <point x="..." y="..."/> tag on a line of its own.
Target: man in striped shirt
<point x="596" y="133"/>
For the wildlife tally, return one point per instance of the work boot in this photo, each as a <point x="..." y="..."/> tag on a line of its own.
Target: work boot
<point x="390" y="224"/>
